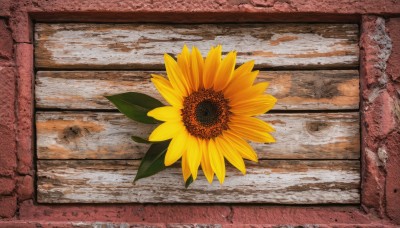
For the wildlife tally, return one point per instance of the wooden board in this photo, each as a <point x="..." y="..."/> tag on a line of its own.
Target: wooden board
<point x="91" y="135"/>
<point x="141" y="46"/>
<point x="295" y="90"/>
<point x="272" y="181"/>
<point x="88" y="157"/>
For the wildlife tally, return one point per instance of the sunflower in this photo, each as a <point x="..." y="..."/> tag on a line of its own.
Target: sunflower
<point x="211" y="112"/>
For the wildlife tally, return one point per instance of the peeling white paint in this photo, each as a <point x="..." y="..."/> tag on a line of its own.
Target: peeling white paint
<point x="322" y="184"/>
<point x="94" y="44"/>
<point x="62" y="90"/>
<point x="335" y="136"/>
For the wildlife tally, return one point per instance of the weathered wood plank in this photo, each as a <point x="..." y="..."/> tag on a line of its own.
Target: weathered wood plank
<point x="295" y="90"/>
<point x="80" y="135"/>
<point x="269" y="181"/>
<point x="141" y="46"/>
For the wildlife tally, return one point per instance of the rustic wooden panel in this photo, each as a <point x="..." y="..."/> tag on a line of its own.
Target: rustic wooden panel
<point x="270" y="181"/>
<point x="141" y="46"/>
<point x="80" y="135"/>
<point x="295" y="90"/>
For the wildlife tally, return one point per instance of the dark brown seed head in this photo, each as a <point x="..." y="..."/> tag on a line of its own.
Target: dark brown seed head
<point x="205" y="113"/>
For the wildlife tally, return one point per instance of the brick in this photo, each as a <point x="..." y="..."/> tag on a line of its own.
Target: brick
<point x="194" y="225"/>
<point x="126" y="213"/>
<point x="24" y="61"/>
<point x="233" y="6"/>
<point x="20" y="224"/>
<point x="6" y="45"/>
<point x="298" y="215"/>
<point x="373" y="183"/>
<point x="393" y="66"/>
<point x="107" y="213"/>
<point x="8" y="206"/>
<point x="380" y="116"/>
<point x="25" y="188"/>
<point x="392" y="143"/>
<point x="393" y="177"/>
<point x="21" y="25"/>
<point x="5" y="10"/>
<point x="8" y="160"/>
<point x="74" y="224"/>
<point x="186" y="214"/>
<point x="376" y="48"/>
<point x="7" y="186"/>
<point x="376" y="108"/>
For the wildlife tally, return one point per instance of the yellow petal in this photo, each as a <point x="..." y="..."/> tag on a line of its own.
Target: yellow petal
<point x="250" y="133"/>
<point x="249" y="93"/>
<point x="225" y="71"/>
<point x="211" y="65"/>
<point x="166" y="130"/>
<point x="240" y="83"/>
<point x="175" y="75"/>
<point x="245" y="150"/>
<point x="164" y="87"/>
<point x="252" y="122"/>
<point x="230" y="154"/>
<point x="205" y="162"/>
<point x="243" y="75"/>
<point x="194" y="155"/>
<point x="166" y="113"/>
<point x="217" y="161"/>
<point x="197" y="69"/>
<point x="183" y="60"/>
<point x="184" y="63"/>
<point x="176" y="148"/>
<point x="245" y="68"/>
<point x="185" y="167"/>
<point x="256" y="106"/>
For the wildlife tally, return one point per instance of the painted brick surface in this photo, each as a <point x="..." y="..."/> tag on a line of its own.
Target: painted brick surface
<point x="8" y="160"/>
<point x="25" y="187"/>
<point x="24" y="109"/>
<point x="380" y="73"/>
<point x="7" y="185"/>
<point x="6" y="44"/>
<point x="390" y="150"/>
<point x="5" y="8"/>
<point x="8" y="206"/>
<point x="380" y="127"/>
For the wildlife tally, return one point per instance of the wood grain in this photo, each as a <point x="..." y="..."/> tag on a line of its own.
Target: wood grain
<point x="141" y="46"/>
<point x="88" y="157"/>
<point x="272" y="181"/>
<point x="90" y="135"/>
<point x="295" y="90"/>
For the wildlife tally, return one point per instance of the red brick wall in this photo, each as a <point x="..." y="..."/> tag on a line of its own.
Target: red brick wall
<point x="380" y="84"/>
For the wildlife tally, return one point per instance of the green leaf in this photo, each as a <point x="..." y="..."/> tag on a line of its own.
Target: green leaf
<point x="136" y="105"/>
<point x="153" y="160"/>
<point x="188" y="181"/>
<point x="140" y="140"/>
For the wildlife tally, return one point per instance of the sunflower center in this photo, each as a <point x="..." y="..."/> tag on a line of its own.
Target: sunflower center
<point x="205" y="113"/>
